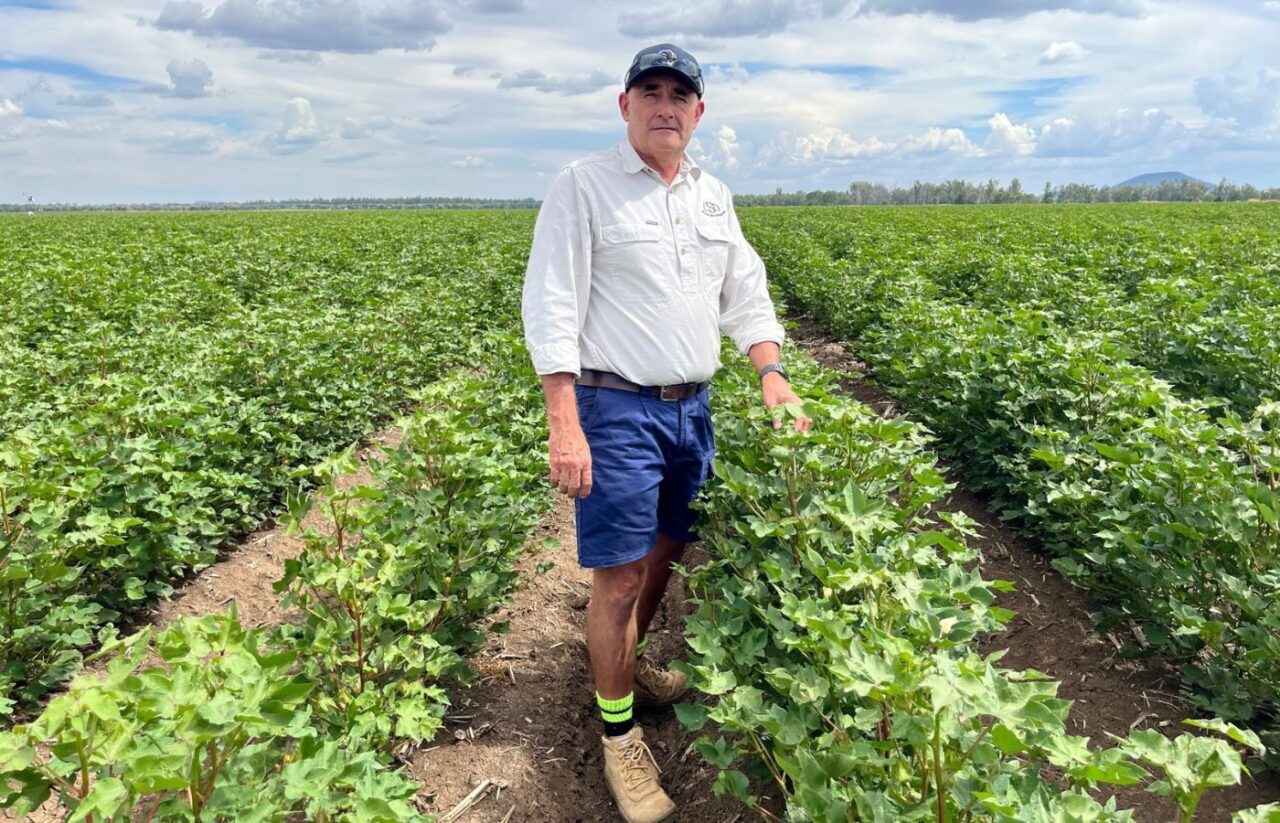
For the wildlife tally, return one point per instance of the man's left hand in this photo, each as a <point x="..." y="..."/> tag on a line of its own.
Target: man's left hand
<point x="777" y="391"/>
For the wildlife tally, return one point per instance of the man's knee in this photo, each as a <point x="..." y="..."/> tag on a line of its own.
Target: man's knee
<point x="617" y="589"/>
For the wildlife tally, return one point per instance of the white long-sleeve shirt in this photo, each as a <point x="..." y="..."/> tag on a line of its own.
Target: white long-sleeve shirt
<point x="631" y="276"/>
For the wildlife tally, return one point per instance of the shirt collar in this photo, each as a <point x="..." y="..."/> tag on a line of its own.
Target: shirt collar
<point x="632" y="164"/>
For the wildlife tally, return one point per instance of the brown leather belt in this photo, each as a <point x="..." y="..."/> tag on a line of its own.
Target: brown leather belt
<point x="609" y="380"/>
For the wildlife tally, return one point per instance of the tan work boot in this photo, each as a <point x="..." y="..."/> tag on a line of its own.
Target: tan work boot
<point x="631" y="774"/>
<point x="658" y="687"/>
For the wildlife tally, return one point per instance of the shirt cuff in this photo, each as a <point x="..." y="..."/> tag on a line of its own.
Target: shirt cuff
<point x="555" y="358"/>
<point x="765" y="333"/>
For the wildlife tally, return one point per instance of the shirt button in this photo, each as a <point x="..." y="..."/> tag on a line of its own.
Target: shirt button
<point x="679" y="221"/>
<point x="684" y="251"/>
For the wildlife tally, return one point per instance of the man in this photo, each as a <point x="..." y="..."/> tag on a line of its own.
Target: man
<point x="638" y="264"/>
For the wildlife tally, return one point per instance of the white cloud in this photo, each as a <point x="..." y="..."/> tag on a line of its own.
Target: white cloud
<point x="831" y="143"/>
<point x="468" y="162"/>
<point x="291" y="56"/>
<point x="723" y="155"/>
<point x="1248" y="103"/>
<point x="189" y="79"/>
<point x="499" y="6"/>
<point x="721" y="18"/>
<point x="1123" y="131"/>
<point x="970" y="10"/>
<point x="1008" y="138"/>
<point x="354" y="157"/>
<point x="357" y="129"/>
<point x="535" y="79"/>
<point x="191" y="140"/>
<point x="10" y="116"/>
<point x="731" y="75"/>
<point x="37" y="88"/>
<point x="940" y="141"/>
<point x="299" y="130"/>
<point x="727" y="147"/>
<point x="353" y="129"/>
<point x="86" y="101"/>
<point x="1067" y="51"/>
<point x="312" y="25"/>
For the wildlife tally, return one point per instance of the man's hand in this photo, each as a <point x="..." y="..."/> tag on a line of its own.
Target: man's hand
<point x="570" y="459"/>
<point x="568" y="454"/>
<point x="774" y="387"/>
<point x="776" y="392"/>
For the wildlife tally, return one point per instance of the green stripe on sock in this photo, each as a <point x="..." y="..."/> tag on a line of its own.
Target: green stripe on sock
<point x="618" y="705"/>
<point x="642" y="645"/>
<point x="615" y="711"/>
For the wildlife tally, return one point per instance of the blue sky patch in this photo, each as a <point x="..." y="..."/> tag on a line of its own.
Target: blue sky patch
<point x="63" y="68"/>
<point x="32" y="4"/>
<point x="1034" y="98"/>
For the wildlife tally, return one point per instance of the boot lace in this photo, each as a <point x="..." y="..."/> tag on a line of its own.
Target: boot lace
<point x="635" y="770"/>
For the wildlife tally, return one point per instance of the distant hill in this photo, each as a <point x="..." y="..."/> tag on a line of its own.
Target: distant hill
<point x="1155" y="178"/>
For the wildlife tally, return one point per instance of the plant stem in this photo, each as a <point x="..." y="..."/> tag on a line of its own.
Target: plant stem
<point x="938" y="779"/>
<point x="84" y="769"/>
<point x="765" y="813"/>
<point x="360" y="649"/>
<point x="974" y="744"/>
<point x="768" y="762"/>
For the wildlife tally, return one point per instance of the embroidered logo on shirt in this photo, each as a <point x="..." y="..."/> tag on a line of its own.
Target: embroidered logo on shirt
<point x="652" y="223"/>
<point x="712" y="209"/>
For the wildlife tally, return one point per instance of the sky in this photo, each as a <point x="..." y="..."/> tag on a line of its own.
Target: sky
<point x="136" y="101"/>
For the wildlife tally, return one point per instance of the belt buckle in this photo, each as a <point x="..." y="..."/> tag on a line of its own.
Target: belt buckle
<point x="678" y="392"/>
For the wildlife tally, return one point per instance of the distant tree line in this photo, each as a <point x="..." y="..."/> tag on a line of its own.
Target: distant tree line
<point x="961" y="192"/>
<point x="314" y="204"/>
<point x="859" y="193"/>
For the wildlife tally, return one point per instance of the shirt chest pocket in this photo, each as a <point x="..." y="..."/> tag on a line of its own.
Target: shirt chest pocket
<point x="713" y="244"/>
<point x="632" y="263"/>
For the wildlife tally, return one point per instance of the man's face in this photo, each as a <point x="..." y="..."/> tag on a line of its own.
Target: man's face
<point x="661" y="113"/>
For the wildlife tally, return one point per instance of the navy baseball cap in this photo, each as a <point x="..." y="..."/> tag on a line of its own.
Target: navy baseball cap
<point x="667" y="58"/>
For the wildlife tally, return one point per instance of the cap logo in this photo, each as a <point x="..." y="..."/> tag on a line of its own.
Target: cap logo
<point x="712" y="209"/>
<point x="668" y="57"/>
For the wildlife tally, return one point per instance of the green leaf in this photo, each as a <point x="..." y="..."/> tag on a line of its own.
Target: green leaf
<point x="692" y="716"/>
<point x="1244" y="737"/>
<point x="107" y="798"/>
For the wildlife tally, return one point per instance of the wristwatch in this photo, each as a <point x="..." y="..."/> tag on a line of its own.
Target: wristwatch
<point x="774" y="368"/>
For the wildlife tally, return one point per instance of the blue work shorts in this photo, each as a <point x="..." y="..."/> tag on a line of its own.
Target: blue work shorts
<point x="649" y="457"/>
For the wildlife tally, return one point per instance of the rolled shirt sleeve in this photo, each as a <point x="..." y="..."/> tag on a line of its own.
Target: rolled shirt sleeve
<point x="557" y="281"/>
<point x="747" y="315"/>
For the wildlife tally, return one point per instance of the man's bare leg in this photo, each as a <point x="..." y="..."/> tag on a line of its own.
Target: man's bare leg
<point x="657" y="571"/>
<point x="630" y="771"/>
<point x="611" y="628"/>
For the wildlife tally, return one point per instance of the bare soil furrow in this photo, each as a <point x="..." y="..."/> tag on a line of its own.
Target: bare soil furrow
<point x="529" y="721"/>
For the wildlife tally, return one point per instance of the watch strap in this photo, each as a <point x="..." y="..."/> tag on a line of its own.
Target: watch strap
<point x="773" y="368"/>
